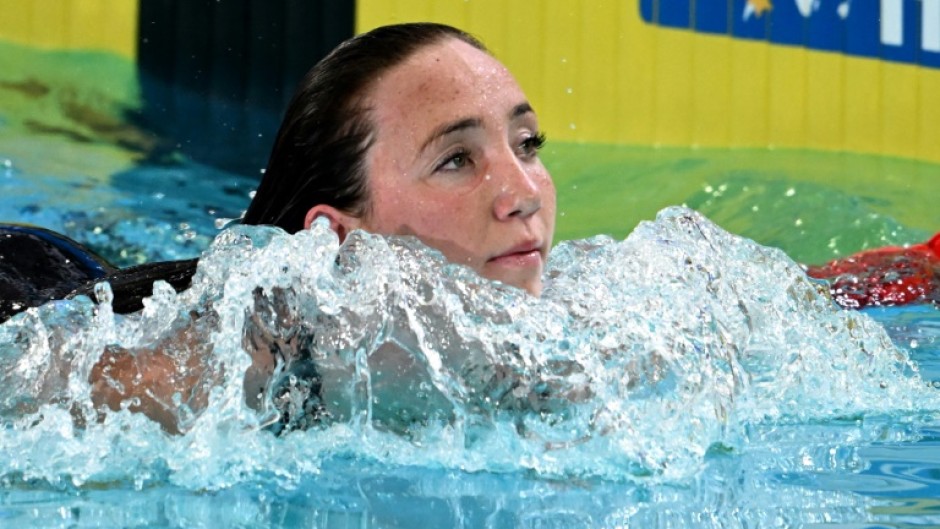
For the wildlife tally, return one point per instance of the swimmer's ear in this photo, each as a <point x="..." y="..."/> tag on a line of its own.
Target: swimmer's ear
<point x="340" y="222"/>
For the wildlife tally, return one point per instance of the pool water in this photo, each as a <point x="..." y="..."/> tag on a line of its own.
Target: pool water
<point x="783" y="413"/>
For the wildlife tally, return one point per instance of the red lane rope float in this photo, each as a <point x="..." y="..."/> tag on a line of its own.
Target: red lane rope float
<point x="885" y="276"/>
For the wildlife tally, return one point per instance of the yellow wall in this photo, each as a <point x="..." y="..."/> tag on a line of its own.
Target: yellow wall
<point x="107" y="25"/>
<point x="596" y="72"/>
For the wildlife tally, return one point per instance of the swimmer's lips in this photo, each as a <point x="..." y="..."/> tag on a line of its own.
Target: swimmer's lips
<point x="523" y="255"/>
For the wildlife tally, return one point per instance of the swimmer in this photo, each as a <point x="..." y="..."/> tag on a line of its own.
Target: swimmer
<point x="412" y="129"/>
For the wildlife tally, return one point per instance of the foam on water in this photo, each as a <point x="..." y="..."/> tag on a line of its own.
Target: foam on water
<point x="641" y="357"/>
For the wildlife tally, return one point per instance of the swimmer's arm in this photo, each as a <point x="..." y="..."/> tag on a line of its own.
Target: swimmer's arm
<point x="543" y="389"/>
<point x="173" y="379"/>
<point x="404" y="384"/>
<point x="157" y="382"/>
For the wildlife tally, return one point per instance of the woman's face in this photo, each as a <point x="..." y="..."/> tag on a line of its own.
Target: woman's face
<point x="454" y="162"/>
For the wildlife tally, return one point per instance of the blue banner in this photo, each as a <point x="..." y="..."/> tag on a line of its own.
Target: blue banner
<point x="905" y="31"/>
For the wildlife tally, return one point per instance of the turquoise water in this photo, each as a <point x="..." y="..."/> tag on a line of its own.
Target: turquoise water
<point x="682" y="377"/>
<point x="726" y="391"/>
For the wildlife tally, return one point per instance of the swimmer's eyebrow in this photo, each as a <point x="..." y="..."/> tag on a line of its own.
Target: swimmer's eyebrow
<point x="450" y="128"/>
<point x="521" y="109"/>
<point x="469" y="123"/>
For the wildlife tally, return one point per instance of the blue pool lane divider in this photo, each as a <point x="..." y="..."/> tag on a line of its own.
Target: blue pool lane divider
<point x="905" y="31"/>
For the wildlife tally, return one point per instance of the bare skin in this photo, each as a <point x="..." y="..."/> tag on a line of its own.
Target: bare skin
<point x="145" y="380"/>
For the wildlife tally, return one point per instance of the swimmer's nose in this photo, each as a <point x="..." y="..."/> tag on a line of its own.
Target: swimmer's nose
<point x="519" y="191"/>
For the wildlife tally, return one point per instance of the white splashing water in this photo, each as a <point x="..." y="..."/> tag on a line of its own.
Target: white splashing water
<point x="639" y="358"/>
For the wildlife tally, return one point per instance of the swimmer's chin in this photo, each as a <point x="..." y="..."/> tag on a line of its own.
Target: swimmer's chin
<point x="531" y="284"/>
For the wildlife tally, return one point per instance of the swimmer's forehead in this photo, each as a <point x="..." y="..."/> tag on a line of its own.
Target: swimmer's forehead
<point x="444" y="88"/>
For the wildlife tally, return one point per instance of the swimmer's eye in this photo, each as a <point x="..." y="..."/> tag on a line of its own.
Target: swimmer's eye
<point x="531" y="145"/>
<point x="455" y="161"/>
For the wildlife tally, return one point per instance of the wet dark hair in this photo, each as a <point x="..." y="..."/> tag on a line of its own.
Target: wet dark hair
<point x="319" y="154"/>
